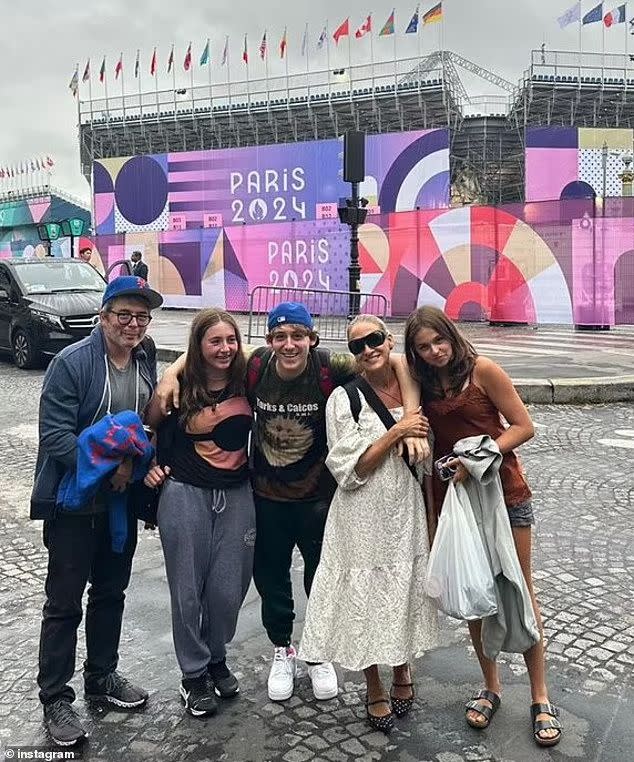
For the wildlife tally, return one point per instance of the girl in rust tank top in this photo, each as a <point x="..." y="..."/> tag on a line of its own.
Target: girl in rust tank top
<point x="465" y="394"/>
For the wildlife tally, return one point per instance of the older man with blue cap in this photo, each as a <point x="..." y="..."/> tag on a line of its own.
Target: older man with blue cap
<point x="112" y="370"/>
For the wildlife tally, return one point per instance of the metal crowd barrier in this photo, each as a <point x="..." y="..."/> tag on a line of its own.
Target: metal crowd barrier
<point x="328" y="308"/>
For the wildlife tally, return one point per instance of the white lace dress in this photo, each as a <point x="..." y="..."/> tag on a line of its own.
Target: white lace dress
<point x="367" y="604"/>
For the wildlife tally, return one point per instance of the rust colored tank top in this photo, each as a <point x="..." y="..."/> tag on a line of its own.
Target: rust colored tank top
<point x="468" y="414"/>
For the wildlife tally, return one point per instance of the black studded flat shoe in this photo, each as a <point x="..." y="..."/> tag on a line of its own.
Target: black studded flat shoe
<point x="385" y="723"/>
<point x="401" y="706"/>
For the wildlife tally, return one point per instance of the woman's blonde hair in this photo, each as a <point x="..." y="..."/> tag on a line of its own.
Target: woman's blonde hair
<point x="372" y="319"/>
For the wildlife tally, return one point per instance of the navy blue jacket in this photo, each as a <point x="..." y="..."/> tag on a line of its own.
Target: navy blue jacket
<point x="73" y="390"/>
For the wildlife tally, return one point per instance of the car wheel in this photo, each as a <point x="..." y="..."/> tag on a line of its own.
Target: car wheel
<point x="25" y="354"/>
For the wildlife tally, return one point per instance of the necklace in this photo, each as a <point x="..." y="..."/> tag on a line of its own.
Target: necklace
<point x="385" y="390"/>
<point x="216" y="396"/>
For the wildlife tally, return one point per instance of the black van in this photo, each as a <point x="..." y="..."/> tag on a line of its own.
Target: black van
<point x="46" y="304"/>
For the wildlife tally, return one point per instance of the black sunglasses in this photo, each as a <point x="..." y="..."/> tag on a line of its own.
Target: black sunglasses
<point x="372" y="341"/>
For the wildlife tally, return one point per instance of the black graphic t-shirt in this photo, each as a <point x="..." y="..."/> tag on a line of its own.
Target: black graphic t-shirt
<point x="289" y="442"/>
<point x="211" y="451"/>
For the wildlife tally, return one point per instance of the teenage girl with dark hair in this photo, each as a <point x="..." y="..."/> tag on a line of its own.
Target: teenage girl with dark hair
<point x="465" y="394"/>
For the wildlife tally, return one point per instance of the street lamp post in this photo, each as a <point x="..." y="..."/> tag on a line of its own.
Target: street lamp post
<point x="352" y="211"/>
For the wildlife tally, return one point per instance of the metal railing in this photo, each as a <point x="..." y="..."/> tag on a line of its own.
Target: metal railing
<point x="328" y="308"/>
<point x="259" y="94"/>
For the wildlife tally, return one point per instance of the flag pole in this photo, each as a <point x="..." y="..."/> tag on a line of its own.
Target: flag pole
<point x="306" y="56"/>
<point x="288" y="86"/>
<point x="580" y="44"/>
<point x="105" y="84"/>
<point x="328" y="55"/>
<point x="173" y="78"/>
<point x="156" y="84"/>
<point x="372" y="49"/>
<point x="602" y="51"/>
<point x="266" y="63"/>
<point x="228" y="77"/>
<point x="625" y="25"/>
<point x="246" y="48"/>
<point x="191" y="76"/>
<point x="419" y="30"/>
<point x="349" y="59"/>
<point x="209" y="78"/>
<point x="90" y="88"/>
<point x="137" y="72"/>
<point x="122" y="90"/>
<point x="394" y="40"/>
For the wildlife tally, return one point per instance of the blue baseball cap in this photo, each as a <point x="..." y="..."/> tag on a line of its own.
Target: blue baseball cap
<point x="289" y="313"/>
<point x="130" y="285"/>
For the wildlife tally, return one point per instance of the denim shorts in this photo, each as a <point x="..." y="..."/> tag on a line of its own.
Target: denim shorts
<point x="521" y="515"/>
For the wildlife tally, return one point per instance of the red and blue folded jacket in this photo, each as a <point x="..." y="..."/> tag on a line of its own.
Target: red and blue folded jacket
<point x="101" y="448"/>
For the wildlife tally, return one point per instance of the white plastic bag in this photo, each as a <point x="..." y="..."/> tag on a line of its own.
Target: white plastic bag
<point x="459" y="577"/>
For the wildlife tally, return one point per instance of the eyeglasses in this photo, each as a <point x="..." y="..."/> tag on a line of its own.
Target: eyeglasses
<point x="125" y="318"/>
<point x="372" y="341"/>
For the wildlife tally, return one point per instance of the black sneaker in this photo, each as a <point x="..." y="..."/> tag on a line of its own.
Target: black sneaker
<point x="197" y="694"/>
<point x="115" y="689"/>
<point x="226" y="683"/>
<point x="62" y="723"/>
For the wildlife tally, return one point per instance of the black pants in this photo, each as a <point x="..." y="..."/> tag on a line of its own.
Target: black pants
<point x="79" y="550"/>
<point x="280" y="526"/>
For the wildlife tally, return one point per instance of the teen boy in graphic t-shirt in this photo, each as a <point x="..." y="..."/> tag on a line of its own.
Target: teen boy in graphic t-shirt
<point x="291" y="485"/>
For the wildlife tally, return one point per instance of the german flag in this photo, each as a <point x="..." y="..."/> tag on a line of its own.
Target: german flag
<point x="433" y="15"/>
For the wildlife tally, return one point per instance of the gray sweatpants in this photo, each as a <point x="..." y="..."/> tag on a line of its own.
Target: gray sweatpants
<point x="208" y="538"/>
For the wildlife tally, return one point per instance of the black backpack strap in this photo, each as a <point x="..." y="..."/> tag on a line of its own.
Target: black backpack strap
<point x="387" y="419"/>
<point x="352" y="390"/>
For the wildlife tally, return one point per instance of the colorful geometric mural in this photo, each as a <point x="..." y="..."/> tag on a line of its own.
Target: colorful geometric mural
<point x="264" y="184"/>
<point x="528" y="263"/>
<point x="18" y="225"/>
<point x="567" y="162"/>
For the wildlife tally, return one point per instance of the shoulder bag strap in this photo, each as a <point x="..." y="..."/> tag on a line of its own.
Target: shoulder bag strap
<point x="387" y="419"/>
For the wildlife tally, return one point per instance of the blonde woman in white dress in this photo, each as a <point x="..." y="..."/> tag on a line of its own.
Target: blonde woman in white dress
<point x="367" y="606"/>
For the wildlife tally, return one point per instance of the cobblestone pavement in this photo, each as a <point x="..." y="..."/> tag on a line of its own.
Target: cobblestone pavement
<point x="525" y="352"/>
<point x="580" y="469"/>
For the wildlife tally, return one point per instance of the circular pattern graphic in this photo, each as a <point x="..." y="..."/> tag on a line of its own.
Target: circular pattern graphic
<point x="141" y="190"/>
<point x="102" y="182"/>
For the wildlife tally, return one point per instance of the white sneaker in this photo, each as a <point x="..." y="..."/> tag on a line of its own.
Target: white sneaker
<point x="282" y="675"/>
<point x="324" y="680"/>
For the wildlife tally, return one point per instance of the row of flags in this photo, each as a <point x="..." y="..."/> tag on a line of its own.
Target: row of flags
<point x="433" y="15"/>
<point x="610" y="18"/>
<point x="37" y="164"/>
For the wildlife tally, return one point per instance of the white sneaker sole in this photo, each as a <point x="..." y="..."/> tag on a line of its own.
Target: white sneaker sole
<point x="195" y="712"/>
<point x="281" y="695"/>
<point x="326" y="695"/>
<point x="69" y="743"/>
<point x="116" y="702"/>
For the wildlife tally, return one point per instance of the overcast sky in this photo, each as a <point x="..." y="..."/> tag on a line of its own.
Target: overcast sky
<point x="42" y="40"/>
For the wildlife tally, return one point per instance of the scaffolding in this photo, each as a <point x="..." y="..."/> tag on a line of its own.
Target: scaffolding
<point x="487" y="132"/>
<point x="306" y="106"/>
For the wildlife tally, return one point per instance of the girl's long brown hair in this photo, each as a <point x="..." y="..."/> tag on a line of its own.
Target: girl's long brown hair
<point x="463" y="353"/>
<point x="195" y="396"/>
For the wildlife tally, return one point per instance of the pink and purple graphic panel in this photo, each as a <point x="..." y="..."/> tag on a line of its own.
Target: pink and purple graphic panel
<point x="282" y="183"/>
<point x="564" y="163"/>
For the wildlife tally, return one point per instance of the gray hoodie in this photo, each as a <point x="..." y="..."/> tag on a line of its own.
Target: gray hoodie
<point x="514" y="627"/>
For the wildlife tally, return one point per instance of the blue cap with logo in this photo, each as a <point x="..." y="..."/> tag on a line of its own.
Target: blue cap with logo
<point x="289" y="313"/>
<point x="130" y="285"/>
